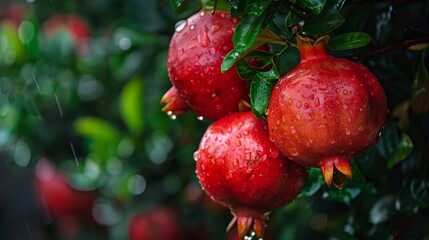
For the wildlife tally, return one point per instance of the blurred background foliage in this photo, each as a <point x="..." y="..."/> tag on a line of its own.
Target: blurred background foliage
<point x="80" y="85"/>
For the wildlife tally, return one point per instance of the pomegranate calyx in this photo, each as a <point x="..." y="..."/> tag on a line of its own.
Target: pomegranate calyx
<point x="250" y="223"/>
<point x="337" y="170"/>
<point x="174" y="104"/>
<point x="312" y="49"/>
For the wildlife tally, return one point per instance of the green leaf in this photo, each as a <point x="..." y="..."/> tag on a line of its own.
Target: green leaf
<point x="315" y="6"/>
<point x="229" y="60"/>
<point x="260" y="91"/>
<point x="175" y="3"/>
<point x="420" y="89"/>
<point x="257" y="7"/>
<point x="402" y="151"/>
<point x="268" y="36"/>
<point x="131" y="105"/>
<point x="335" y="4"/>
<point x="97" y="130"/>
<point x="246" y="72"/>
<point x="246" y="32"/>
<point x="321" y="24"/>
<point x="349" y="41"/>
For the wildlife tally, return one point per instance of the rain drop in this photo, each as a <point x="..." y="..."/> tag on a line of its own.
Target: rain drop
<point x="235" y="162"/>
<point x="238" y="143"/>
<point x="317" y="102"/>
<point x="192" y="27"/>
<point x="290" y="101"/>
<point x="306" y="105"/>
<point x="200" y="118"/>
<point x="361" y="128"/>
<point x="204" y="39"/>
<point x="202" y="13"/>
<point x="298" y="116"/>
<point x="180" y="25"/>
<point x="348" y="132"/>
<point x="181" y="51"/>
<point x="173" y="117"/>
<point x="214" y="29"/>
<point x="333" y="141"/>
<point x="293" y="152"/>
<point x="345" y="92"/>
<point x="299" y="104"/>
<point x="350" y="142"/>
<point x="345" y="106"/>
<point x="213" y="51"/>
<point x="293" y="129"/>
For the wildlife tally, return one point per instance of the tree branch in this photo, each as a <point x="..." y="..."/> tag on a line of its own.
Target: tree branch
<point x="402" y="45"/>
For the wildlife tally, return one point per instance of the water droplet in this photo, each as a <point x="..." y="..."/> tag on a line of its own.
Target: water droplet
<point x="298" y="116"/>
<point x="238" y="135"/>
<point x="349" y="120"/>
<point x="218" y="107"/>
<point x="345" y="92"/>
<point x="345" y="106"/>
<point x="293" y="152"/>
<point x="181" y="51"/>
<point x="227" y="142"/>
<point x="348" y="132"/>
<point x="266" y="111"/>
<point x="180" y="25"/>
<point x="214" y="29"/>
<point x="361" y="109"/>
<point x="299" y="104"/>
<point x="293" y="129"/>
<point x="278" y="122"/>
<point x="197" y="64"/>
<point x="245" y="133"/>
<point x="361" y="128"/>
<point x="238" y="143"/>
<point x="247" y="156"/>
<point x="192" y="47"/>
<point x="235" y="162"/>
<point x="290" y="101"/>
<point x="317" y="102"/>
<point x="200" y="118"/>
<point x="333" y="141"/>
<point x="213" y="51"/>
<point x="350" y="142"/>
<point x="306" y="105"/>
<point x="192" y="27"/>
<point x="203" y="39"/>
<point x="202" y="13"/>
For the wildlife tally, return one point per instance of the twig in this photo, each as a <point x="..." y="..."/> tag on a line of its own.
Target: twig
<point x="390" y="48"/>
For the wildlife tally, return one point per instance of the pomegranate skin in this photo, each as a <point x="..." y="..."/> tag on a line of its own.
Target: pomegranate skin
<point x="239" y="167"/>
<point x="325" y="110"/>
<point x="195" y="55"/>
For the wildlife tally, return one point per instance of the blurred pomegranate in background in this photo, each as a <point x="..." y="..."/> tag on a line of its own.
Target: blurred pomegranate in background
<point x="158" y="223"/>
<point x="56" y="197"/>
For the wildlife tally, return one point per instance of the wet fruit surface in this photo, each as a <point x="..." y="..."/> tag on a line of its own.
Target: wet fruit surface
<point x="196" y="52"/>
<point x="325" y="110"/>
<point x="239" y="166"/>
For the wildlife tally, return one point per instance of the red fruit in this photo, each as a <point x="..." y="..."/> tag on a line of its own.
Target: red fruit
<point x="325" y="111"/>
<point x="159" y="223"/>
<point x="239" y="167"/>
<point x="196" y="52"/>
<point x="55" y="195"/>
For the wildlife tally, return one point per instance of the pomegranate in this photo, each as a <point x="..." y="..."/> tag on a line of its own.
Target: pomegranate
<point x="239" y="167"/>
<point x="57" y="197"/>
<point x="195" y="55"/>
<point x="159" y="223"/>
<point x="325" y="111"/>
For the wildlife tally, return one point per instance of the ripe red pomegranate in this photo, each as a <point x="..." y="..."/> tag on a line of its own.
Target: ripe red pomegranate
<point x="159" y="223"/>
<point x="57" y="197"/>
<point x="195" y="55"/>
<point x="239" y="167"/>
<point x="325" y="111"/>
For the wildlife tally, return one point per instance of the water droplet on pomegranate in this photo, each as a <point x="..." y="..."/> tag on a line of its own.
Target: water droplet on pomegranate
<point x="227" y="142"/>
<point x="345" y="106"/>
<point x="333" y="141"/>
<point x="213" y="51"/>
<point x="196" y="155"/>
<point x="238" y="135"/>
<point x="298" y="116"/>
<point x="317" y="102"/>
<point x="361" y="109"/>
<point x="192" y="47"/>
<point x="181" y="51"/>
<point x="298" y="104"/>
<point x="238" y="143"/>
<point x="278" y="122"/>
<point x="180" y="25"/>
<point x="266" y="111"/>
<point x="290" y="101"/>
<point x="345" y="92"/>
<point x="349" y="120"/>
<point x="293" y="152"/>
<point x="192" y="27"/>
<point x="214" y="29"/>
<point x="361" y="128"/>
<point x="235" y="162"/>
<point x="202" y="13"/>
<point x="306" y="105"/>
<point x="203" y="39"/>
<point x="293" y="129"/>
<point x="200" y="118"/>
<point x="218" y="106"/>
<point x="197" y="64"/>
<point x="348" y="132"/>
<point x="247" y="156"/>
<point x="245" y="133"/>
<point x="350" y="142"/>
